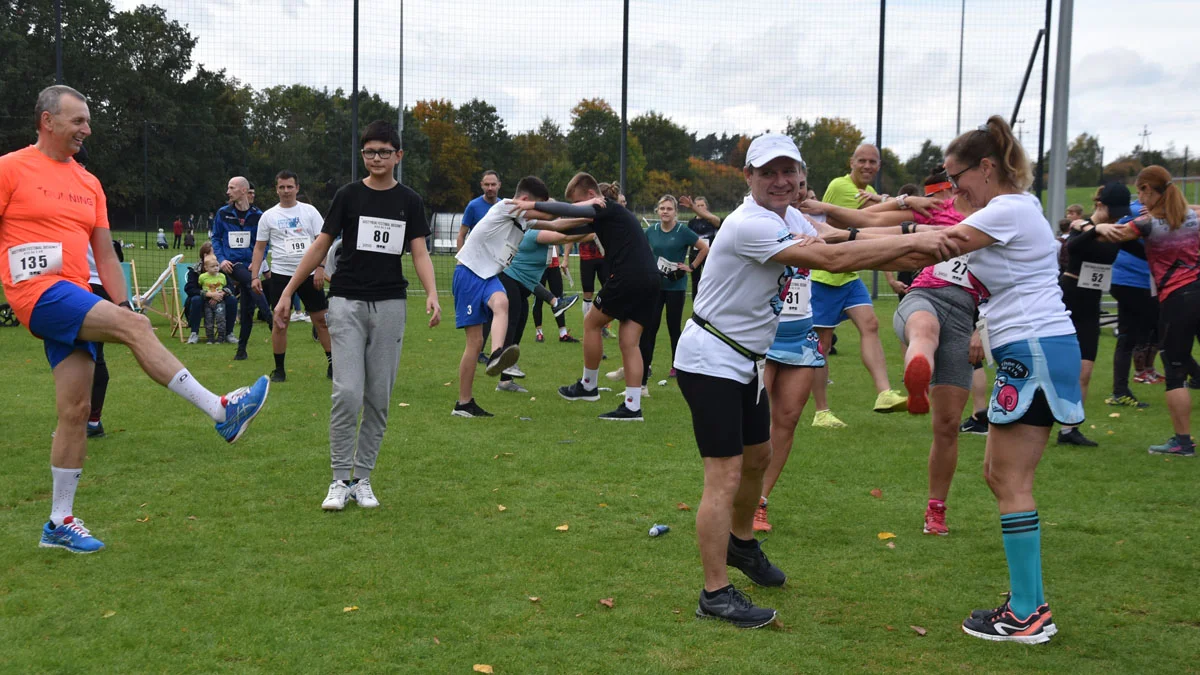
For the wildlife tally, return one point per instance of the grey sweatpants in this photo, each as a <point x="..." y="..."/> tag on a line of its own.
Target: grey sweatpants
<point x="366" y="339"/>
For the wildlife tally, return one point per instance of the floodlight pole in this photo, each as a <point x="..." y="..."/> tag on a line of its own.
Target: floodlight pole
<point x="1056" y="202"/>
<point x="879" y="123"/>
<point x="962" y="26"/>
<point x="354" y="104"/>
<point x="624" y="94"/>
<point x="1037" y="178"/>
<point x="58" y="60"/>
<point x="400" y="115"/>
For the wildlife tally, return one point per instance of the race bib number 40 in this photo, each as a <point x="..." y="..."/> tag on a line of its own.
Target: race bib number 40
<point x="30" y="260"/>
<point x="381" y="235"/>
<point x="953" y="270"/>
<point x="796" y="301"/>
<point x="239" y="239"/>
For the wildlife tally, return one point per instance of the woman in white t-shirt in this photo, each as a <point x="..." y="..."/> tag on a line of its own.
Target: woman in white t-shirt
<point x="720" y="357"/>
<point x="1032" y="340"/>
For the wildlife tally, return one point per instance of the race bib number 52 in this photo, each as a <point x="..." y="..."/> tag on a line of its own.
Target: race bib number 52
<point x="30" y="260"/>
<point x="381" y="235"/>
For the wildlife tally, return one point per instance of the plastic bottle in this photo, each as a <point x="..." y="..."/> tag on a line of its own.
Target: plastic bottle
<point x="659" y="529"/>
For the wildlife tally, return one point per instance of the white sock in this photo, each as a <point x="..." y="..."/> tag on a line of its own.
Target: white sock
<point x="65" y="483"/>
<point x="185" y="385"/>
<point x="539" y="331"/>
<point x="587" y="307"/>
<point x="590" y="378"/>
<point x="633" y="398"/>
<point x="562" y="331"/>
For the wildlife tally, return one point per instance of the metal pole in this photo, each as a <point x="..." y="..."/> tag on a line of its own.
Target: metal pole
<point x="1037" y="178"/>
<point x="354" y="105"/>
<point x="400" y="115"/>
<point x="879" y="121"/>
<point x="146" y="170"/>
<point x="1057" y="201"/>
<point x="624" y="94"/>
<point x="58" y="61"/>
<point x="1037" y="42"/>
<point x="962" y="25"/>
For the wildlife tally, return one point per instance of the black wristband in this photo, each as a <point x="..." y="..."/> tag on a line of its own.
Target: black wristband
<point x="853" y="233"/>
<point x="125" y="304"/>
<point x="906" y="226"/>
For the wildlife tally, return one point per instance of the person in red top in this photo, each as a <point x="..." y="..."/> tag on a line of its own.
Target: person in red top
<point x="51" y="208"/>
<point x="177" y="228"/>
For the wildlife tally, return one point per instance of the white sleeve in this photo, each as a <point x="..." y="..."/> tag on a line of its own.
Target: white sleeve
<point x="264" y="227"/>
<point x="761" y="236"/>
<point x="995" y="220"/>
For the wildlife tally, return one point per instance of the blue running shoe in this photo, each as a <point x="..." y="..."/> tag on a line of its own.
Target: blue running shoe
<point x="241" y="405"/>
<point x="71" y="535"/>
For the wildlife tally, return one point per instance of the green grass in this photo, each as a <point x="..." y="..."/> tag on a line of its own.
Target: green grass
<point x="219" y="558"/>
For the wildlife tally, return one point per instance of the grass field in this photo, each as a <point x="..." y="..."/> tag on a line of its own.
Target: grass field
<point x="219" y="558"/>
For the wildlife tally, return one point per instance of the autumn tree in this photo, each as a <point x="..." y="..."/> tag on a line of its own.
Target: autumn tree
<point x="453" y="159"/>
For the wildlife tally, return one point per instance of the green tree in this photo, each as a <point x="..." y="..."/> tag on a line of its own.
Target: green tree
<point x="1083" y="161"/>
<point x="892" y="172"/>
<point x="491" y="140"/>
<point x="924" y="161"/>
<point x="826" y="146"/>
<point x="594" y="145"/>
<point x="453" y="158"/>
<point x="667" y="145"/>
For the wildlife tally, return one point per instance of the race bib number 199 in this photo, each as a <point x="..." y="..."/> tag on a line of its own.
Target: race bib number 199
<point x="295" y="245"/>
<point x="30" y="260"/>
<point x="381" y="235"/>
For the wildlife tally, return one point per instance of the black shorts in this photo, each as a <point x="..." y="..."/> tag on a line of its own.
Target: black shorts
<point x="590" y="271"/>
<point x="313" y="299"/>
<point x="725" y="415"/>
<point x="629" y="299"/>
<point x="1084" y="305"/>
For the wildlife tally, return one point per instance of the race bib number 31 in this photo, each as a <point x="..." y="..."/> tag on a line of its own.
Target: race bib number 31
<point x="796" y="302"/>
<point x="30" y="260"/>
<point x="381" y="235"/>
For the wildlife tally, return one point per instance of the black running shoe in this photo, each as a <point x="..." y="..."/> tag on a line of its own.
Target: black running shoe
<point x="1075" y="437"/>
<point x="470" y="409"/>
<point x="735" y="607"/>
<point x="972" y="425"/>
<point x="623" y="414"/>
<point x="576" y="392"/>
<point x="1001" y="625"/>
<point x="278" y="376"/>
<point x="502" y="358"/>
<point x="95" y="431"/>
<point x="754" y="564"/>
<point x="240" y="355"/>
<point x="564" y="303"/>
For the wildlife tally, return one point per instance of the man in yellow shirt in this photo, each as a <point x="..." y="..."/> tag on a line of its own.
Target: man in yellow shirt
<point x="840" y="296"/>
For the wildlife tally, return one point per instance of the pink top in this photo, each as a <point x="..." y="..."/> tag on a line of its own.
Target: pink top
<point x="945" y="216"/>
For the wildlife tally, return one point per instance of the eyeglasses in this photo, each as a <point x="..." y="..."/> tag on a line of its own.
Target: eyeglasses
<point x="955" y="176"/>
<point x="381" y="154"/>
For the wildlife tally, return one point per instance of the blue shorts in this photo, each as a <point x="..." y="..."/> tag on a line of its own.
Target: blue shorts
<point x="797" y="344"/>
<point x="829" y="303"/>
<point x="1025" y="367"/>
<point x="57" y="318"/>
<point x="471" y="293"/>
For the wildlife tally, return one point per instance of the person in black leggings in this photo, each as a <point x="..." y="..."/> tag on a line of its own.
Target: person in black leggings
<point x="552" y="279"/>
<point x="1088" y="271"/>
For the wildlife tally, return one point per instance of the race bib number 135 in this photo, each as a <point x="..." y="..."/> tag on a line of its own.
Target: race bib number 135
<point x="381" y="235"/>
<point x="30" y="260"/>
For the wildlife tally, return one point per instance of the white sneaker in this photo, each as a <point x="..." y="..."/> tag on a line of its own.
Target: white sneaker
<point x="618" y="374"/>
<point x="336" y="499"/>
<point x="509" y="385"/>
<point x="194" y="338"/>
<point x="513" y="371"/>
<point x="231" y="339"/>
<point x="361" y="492"/>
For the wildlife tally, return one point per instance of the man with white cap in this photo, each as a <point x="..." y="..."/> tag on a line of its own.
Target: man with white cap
<point x="720" y="359"/>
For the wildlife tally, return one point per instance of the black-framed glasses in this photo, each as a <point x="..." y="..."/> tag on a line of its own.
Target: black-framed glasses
<point x="381" y="154"/>
<point x="955" y="176"/>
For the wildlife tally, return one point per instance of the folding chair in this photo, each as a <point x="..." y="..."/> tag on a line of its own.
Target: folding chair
<point x="131" y="288"/>
<point x="172" y="307"/>
<point x="180" y="283"/>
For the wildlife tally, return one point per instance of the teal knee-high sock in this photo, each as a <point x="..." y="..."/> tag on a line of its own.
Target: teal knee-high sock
<point x="1023" y="547"/>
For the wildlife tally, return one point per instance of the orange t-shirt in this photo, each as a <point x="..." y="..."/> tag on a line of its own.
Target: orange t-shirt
<point x="48" y="210"/>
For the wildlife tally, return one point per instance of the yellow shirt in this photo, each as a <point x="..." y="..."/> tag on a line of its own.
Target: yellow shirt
<point x="841" y="192"/>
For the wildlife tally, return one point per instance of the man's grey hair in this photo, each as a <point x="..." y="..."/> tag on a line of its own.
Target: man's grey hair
<point x="50" y="100"/>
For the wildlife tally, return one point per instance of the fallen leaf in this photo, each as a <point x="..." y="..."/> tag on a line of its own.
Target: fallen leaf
<point x="563" y="528"/>
<point x="429" y="339"/>
<point x="495" y="456"/>
<point x="603" y="505"/>
<point x="501" y="507"/>
<point x="920" y="631"/>
<point x="578" y="615"/>
<point x="534" y="598"/>
<point x="532" y="398"/>
<point x="675" y="611"/>
<point x="353" y="608"/>
<point x="607" y="602"/>
<point x="191" y="517"/>
<point x="1093" y="426"/>
<point x="886" y="535"/>
<point x="446" y="384"/>
<point x="890" y="627"/>
<point x="482" y="668"/>
<point x="670" y="445"/>
<point x="891" y="544"/>
<point x="108" y="615"/>
<point x="1121" y="541"/>
<point x="143" y="505"/>
<point x="436" y="641"/>
<point x="683" y="507"/>
<point x="1110" y="432"/>
<point x="403" y="405"/>
<point x="877" y="493"/>
<point x="1114" y="414"/>
<point x="144" y="520"/>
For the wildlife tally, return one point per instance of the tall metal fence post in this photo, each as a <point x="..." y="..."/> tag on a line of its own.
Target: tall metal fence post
<point x="354" y="104"/>
<point x="58" y="58"/>
<point x="1056" y="201"/>
<point x="400" y="104"/>
<point x="1041" y="165"/>
<point x="624" y="94"/>
<point x="879" y="123"/>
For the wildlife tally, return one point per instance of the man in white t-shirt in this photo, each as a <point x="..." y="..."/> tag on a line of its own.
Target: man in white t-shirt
<point x="720" y="360"/>
<point x="288" y="228"/>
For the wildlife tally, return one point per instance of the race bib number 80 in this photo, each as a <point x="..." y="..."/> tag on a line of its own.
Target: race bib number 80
<point x="30" y="260"/>
<point x="381" y="235"/>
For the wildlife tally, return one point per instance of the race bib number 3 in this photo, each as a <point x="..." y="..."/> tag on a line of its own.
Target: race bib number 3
<point x="239" y="239"/>
<point x="796" y="301"/>
<point x="381" y="235"/>
<point x="953" y="270"/>
<point x="30" y="260"/>
<point x="295" y="245"/>
<point x="1095" y="277"/>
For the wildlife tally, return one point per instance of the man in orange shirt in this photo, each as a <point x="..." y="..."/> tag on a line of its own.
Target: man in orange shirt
<point x="51" y="208"/>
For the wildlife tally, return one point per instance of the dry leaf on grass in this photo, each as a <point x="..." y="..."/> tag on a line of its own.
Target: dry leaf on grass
<point x="890" y="627"/>
<point x="144" y="520"/>
<point x="353" y="608"/>
<point x="683" y="507"/>
<point x="603" y="505"/>
<point x="108" y="615"/>
<point x="1110" y="432"/>
<point x="1114" y="414"/>
<point x="676" y="611"/>
<point x="534" y="598"/>
<point x="563" y="528"/>
<point x="482" y="668"/>
<point x="532" y="398"/>
<point x="445" y="384"/>
<point x="919" y="631"/>
<point x="607" y="602"/>
<point x="191" y="517"/>
<point x="403" y="405"/>
<point x="891" y="544"/>
<point x="877" y="493"/>
<point x="501" y="507"/>
<point x="886" y="535"/>
<point x="436" y="641"/>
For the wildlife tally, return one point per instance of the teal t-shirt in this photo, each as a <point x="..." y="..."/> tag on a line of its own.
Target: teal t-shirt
<point x="672" y="246"/>
<point x="529" y="264"/>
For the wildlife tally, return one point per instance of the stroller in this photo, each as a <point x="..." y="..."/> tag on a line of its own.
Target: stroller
<point x="7" y="316"/>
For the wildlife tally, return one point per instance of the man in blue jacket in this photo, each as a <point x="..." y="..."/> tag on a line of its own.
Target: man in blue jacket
<point x="235" y="228"/>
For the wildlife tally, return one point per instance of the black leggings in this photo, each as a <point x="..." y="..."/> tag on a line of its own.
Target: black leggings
<point x="1178" y="326"/>
<point x="100" y="377"/>
<point x="553" y="279"/>
<point x="1137" y="321"/>
<point x="673" y="301"/>
<point x="241" y="275"/>
<point x="590" y="271"/>
<point x="518" y="312"/>
<point x="1084" y="304"/>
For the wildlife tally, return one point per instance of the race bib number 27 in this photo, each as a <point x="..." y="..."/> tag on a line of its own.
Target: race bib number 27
<point x="30" y="260"/>
<point x="381" y="235"/>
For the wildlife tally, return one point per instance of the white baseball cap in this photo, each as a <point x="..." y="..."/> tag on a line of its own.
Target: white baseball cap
<point x="770" y="146"/>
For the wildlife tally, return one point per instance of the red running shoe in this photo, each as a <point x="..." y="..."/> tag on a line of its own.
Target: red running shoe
<point x="935" y="520"/>
<point x="760" y="518"/>
<point x="917" y="375"/>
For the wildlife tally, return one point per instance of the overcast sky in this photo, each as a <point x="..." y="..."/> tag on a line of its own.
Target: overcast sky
<point x="730" y="65"/>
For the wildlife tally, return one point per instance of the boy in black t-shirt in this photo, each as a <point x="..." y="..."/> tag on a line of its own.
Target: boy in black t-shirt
<point x="377" y="219"/>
